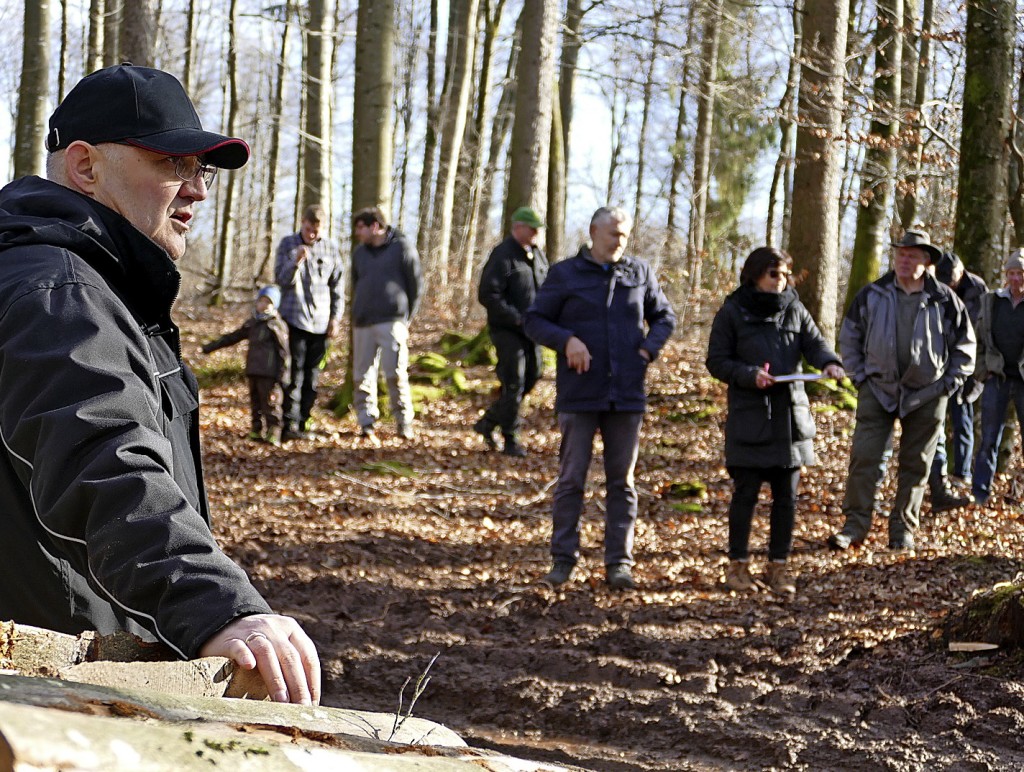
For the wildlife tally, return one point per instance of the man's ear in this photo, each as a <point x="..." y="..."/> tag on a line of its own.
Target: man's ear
<point x="80" y="161"/>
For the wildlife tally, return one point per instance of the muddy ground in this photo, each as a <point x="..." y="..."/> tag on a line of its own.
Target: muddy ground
<point x="391" y="555"/>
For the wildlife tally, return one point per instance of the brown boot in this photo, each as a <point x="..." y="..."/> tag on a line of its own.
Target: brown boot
<point x="737" y="576"/>
<point x="778" y="579"/>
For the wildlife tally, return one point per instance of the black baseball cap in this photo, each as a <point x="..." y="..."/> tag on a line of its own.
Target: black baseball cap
<point x="143" y="107"/>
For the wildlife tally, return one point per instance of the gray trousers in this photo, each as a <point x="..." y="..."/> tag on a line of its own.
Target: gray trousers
<point x="620" y="433"/>
<point x="871" y="437"/>
<point x="385" y="345"/>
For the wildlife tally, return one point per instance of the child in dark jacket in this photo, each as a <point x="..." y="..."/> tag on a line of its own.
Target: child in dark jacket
<point x="266" y="363"/>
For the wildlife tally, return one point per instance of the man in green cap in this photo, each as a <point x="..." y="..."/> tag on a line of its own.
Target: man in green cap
<point x="508" y="285"/>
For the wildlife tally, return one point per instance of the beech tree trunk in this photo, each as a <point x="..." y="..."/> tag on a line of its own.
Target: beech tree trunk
<point x="112" y="32"/>
<point x="782" y="177"/>
<point x="33" y="91"/>
<point x="871" y="240"/>
<point x="917" y="62"/>
<point x="988" y="81"/>
<point x="316" y="155"/>
<point x="226" y="240"/>
<point x="94" y="44"/>
<point x="814" y="234"/>
<point x="673" y="252"/>
<point x="430" y="138"/>
<point x="373" y="94"/>
<point x="138" y="32"/>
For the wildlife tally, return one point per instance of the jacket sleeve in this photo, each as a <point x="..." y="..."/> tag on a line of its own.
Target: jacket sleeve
<point x="493" y="284"/>
<point x="812" y="342"/>
<point x="82" y="419"/>
<point x="230" y="339"/>
<point x="962" y="346"/>
<point x="285" y="267"/>
<point x="851" y="341"/>
<point x="658" y="313"/>
<point x="721" y="360"/>
<point x="542" y="322"/>
<point x="336" y="283"/>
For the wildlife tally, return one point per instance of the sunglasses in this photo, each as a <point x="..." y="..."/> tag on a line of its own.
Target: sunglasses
<point x="775" y="274"/>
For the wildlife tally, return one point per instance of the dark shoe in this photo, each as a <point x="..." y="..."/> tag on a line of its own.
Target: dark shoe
<point x="255" y="436"/>
<point x="486" y="430"/>
<point x="291" y="433"/>
<point x="559" y="574"/>
<point x="943" y="500"/>
<point x="842" y="541"/>
<point x="513" y="448"/>
<point x="901" y="543"/>
<point x="620" y="577"/>
<point x="368" y="434"/>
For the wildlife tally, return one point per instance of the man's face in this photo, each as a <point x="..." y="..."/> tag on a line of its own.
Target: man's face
<point x="142" y="187"/>
<point x="608" y="239"/>
<point x="910" y="263"/>
<point x="524" y="234"/>
<point x="365" y="234"/>
<point x="1015" y="281"/>
<point x="310" y="231"/>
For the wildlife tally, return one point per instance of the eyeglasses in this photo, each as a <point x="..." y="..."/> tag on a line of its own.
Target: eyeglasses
<point x="188" y="167"/>
<point x="775" y="274"/>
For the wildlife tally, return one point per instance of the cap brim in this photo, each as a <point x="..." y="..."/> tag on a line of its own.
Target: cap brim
<point x="933" y="252"/>
<point x="218" y="150"/>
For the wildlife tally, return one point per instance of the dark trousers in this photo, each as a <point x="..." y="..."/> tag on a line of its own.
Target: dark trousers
<point x="747" y="481"/>
<point x="995" y="401"/>
<point x="307" y="350"/>
<point x="620" y="433"/>
<point x="961" y="427"/>
<point x="519" y="366"/>
<point x="264" y="402"/>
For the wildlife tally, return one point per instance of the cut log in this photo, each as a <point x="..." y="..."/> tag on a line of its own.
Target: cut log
<point x="995" y="616"/>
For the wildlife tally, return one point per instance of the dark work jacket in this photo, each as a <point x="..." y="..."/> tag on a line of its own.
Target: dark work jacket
<point x="386" y="281"/>
<point x="105" y="518"/>
<point x="509" y="283"/>
<point x="615" y="312"/>
<point x="970" y="291"/>
<point x="268" y="355"/>
<point x="769" y="427"/>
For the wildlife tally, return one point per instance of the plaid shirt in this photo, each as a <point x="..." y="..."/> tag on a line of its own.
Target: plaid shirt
<point x="313" y="293"/>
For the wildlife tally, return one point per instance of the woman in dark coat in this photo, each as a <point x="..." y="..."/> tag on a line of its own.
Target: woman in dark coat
<point x="763" y="331"/>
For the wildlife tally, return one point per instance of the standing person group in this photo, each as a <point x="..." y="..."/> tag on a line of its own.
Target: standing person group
<point x="508" y="284"/>
<point x="606" y="317"/>
<point x="311" y="274"/>
<point x="763" y="332"/>
<point x="386" y="284"/>
<point x="908" y="344"/>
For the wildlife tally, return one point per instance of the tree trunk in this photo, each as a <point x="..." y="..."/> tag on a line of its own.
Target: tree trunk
<point x="33" y="90"/>
<point x="645" y="114"/>
<point x="916" y="63"/>
<point x="430" y="138"/>
<point x="988" y="80"/>
<point x="783" y="174"/>
<point x="94" y="46"/>
<point x="554" y="242"/>
<point x="702" y="139"/>
<point x="455" y="104"/>
<point x="112" y="33"/>
<point x="816" y="180"/>
<point x="995" y="617"/>
<point x="226" y="240"/>
<point x="137" y="32"/>
<point x="531" y="128"/>
<point x="871" y="240"/>
<point x="317" y="128"/>
<point x="1015" y="187"/>
<point x="371" y="113"/>
<point x="188" y="76"/>
<point x="673" y="251"/>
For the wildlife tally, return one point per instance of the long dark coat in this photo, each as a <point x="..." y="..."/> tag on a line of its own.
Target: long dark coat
<point x="766" y="427"/>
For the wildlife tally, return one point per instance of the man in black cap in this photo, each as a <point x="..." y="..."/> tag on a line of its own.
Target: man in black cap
<point x="508" y="284"/>
<point x="106" y="522"/>
<point x="907" y="344"/>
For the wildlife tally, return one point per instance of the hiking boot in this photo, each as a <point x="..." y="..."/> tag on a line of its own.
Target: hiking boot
<point x="778" y="579"/>
<point x="942" y="497"/>
<point x="559" y="574"/>
<point x="737" y="576"/>
<point x="842" y="541"/>
<point x="513" y="448"/>
<point x="291" y="433"/>
<point x="485" y="429"/>
<point x="901" y="543"/>
<point x="620" y="577"/>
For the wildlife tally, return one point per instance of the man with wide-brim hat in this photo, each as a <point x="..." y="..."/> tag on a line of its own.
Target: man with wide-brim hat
<point x="107" y="525"/>
<point x="907" y="344"/>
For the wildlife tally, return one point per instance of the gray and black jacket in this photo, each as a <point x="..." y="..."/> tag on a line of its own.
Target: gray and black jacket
<point x="990" y="359"/>
<point x="106" y="523"/>
<point x="942" y="356"/>
<point x="386" y="281"/>
<point x="509" y="283"/>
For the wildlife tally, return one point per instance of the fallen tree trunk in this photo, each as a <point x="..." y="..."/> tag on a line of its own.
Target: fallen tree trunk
<point x="995" y="616"/>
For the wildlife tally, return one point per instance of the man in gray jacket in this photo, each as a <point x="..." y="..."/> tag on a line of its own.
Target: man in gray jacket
<point x="908" y="344"/>
<point x="385" y="291"/>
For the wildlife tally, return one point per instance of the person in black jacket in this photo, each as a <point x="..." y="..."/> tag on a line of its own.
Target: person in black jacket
<point x="759" y="337"/>
<point x="106" y="521"/>
<point x="266" y="363"/>
<point x="508" y="285"/>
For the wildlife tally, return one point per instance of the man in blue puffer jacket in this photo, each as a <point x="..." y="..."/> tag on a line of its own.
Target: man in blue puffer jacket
<point x="592" y="310"/>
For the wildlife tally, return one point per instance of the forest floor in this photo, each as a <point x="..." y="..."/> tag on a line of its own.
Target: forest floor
<point x="391" y="555"/>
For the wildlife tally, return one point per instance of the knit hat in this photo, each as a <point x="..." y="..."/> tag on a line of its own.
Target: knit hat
<point x="270" y="291"/>
<point x="1014" y="261"/>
